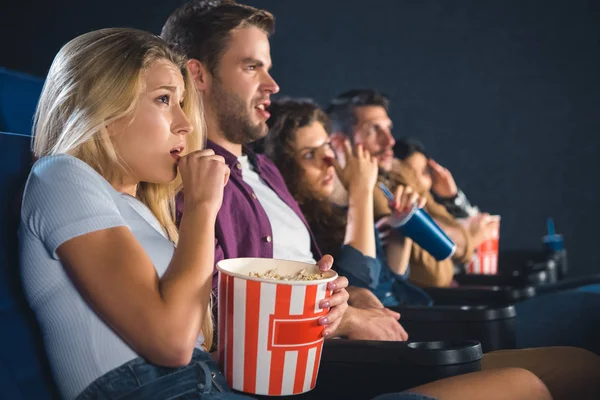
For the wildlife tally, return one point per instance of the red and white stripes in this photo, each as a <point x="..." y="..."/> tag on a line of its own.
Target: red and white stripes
<point x="485" y="259"/>
<point x="269" y="339"/>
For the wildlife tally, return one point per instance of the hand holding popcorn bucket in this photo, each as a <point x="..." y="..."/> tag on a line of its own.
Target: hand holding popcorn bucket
<point x="269" y="338"/>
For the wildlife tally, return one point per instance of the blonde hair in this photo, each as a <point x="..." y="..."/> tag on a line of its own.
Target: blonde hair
<point x="96" y="79"/>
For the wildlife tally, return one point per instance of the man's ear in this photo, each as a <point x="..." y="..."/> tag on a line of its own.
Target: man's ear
<point x="200" y="74"/>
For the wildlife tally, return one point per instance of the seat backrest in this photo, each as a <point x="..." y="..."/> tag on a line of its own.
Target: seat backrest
<point x="19" y="94"/>
<point x="24" y="372"/>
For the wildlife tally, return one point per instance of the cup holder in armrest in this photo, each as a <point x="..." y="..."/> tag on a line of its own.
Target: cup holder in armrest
<point x="439" y="345"/>
<point x="517" y="278"/>
<point x="492" y="326"/>
<point x="476" y="294"/>
<point x="435" y="353"/>
<point x="455" y="313"/>
<point x="363" y="369"/>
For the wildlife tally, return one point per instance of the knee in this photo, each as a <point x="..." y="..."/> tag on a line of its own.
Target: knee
<point x="582" y="364"/>
<point x="580" y="361"/>
<point x="575" y="373"/>
<point x="531" y="387"/>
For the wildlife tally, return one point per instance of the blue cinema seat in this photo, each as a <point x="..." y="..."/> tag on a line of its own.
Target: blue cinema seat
<point x="24" y="372"/>
<point x="19" y="94"/>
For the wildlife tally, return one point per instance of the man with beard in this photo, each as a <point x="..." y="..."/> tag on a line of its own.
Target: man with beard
<point x="228" y="47"/>
<point x="361" y="116"/>
<point x="230" y="59"/>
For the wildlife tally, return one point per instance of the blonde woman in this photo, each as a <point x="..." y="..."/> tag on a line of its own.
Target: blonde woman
<point x="117" y="131"/>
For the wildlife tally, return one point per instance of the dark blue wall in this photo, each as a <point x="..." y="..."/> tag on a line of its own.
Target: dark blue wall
<point x="506" y="93"/>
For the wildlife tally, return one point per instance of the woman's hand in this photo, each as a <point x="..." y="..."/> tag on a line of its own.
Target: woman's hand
<point x="405" y="198"/>
<point x="204" y="176"/>
<point x="359" y="174"/>
<point x="375" y="324"/>
<point x="363" y="298"/>
<point x="482" y="227"/>
<point x="442" y="182"/>
<point x="337" y="302"/>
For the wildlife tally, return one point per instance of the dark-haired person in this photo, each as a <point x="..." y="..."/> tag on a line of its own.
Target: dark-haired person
<point x="299" y="145"/>
<point x="228" y="47"/>
<point x="435" y="177"/>
<point x="577" y="308"/>
<point x="361" y="116"/>
<point x="229" y="51"/>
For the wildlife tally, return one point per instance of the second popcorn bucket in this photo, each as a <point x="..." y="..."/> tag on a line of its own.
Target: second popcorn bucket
<point x="485" y="259"/>
<point x="269" y="338"/>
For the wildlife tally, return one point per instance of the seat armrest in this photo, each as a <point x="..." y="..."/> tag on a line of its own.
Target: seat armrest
<point x="570" y="283"/>
<point x="480" y="295"/>
<point x="517" y="278"/>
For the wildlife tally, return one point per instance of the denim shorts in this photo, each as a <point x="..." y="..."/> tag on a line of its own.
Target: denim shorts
<point x="138" y="379"/>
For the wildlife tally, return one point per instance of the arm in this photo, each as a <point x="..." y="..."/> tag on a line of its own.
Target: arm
<point x="371" y="324"/>
<point x="359" y="176"/>
<point x="470" y="234"/>
<point x="367" y="319"/>
<point x="448" y="194"/>
<point x="160" y="318"/>
<point x="396" y="246"/>
<point x="362" y="271"/>
<point x="426" y="271"/>
<point x="458" y="205"/>
<point x="398" y="253"/>
<point x="460" y="237"/>
<point x="362" y="298"/>
<point x="359" y="231"/>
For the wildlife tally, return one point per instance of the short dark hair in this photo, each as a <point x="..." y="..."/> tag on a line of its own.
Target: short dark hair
<point x="406" y="147"/>
<point x="341" y="109"/>
<point x="201" y="29"/>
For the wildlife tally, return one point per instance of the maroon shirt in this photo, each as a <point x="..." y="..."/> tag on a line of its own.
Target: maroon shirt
<point x="243" y="228"/>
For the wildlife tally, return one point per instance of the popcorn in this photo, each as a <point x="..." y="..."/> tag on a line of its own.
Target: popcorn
<point x="303" y="275"/>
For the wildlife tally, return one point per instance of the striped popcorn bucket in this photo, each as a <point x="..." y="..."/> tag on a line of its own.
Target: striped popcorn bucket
<point x="269" y="339"/>
<point x="485" y="258"/>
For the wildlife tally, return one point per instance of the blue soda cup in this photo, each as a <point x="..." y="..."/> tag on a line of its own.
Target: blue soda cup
<point x="555" y="248"/>
<point x="553" y="242"/>
<point x="420" y="227"/>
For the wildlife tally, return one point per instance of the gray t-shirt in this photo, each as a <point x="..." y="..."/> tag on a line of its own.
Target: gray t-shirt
<point x="65" y="198"/>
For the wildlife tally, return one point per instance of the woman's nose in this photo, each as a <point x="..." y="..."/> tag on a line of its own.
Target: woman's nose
<point x="328" y="160"/>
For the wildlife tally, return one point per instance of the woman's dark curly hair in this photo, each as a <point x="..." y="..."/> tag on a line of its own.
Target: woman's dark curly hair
<point x="287" y="116"/>
<point x="327" y="222"/>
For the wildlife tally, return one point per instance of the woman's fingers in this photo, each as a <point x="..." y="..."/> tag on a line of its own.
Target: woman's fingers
<point x="397" y="196"/>
<point x="336" y="299"/>
<point x="339" y="171"/>
<point x="360" y="151"/>
<point x="348" y="151"/>
<point x="325" y="263"/>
